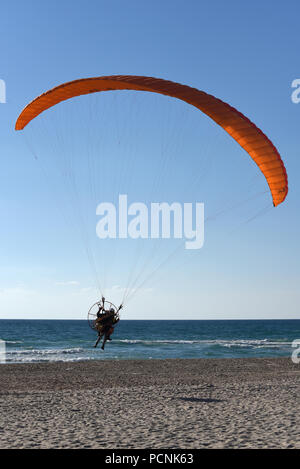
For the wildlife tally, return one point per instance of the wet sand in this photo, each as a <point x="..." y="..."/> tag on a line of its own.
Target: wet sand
<point x="215" y="403"/>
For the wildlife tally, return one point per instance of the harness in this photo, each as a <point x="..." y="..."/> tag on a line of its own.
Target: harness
<point x="106" y="319"/>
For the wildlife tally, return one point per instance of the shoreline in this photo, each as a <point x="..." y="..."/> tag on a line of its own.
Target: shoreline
<point x="174" y="403"/>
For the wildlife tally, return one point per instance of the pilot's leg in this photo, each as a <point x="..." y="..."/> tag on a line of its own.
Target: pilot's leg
<point x="97" y="341"/>
<point x="104" y="341"/>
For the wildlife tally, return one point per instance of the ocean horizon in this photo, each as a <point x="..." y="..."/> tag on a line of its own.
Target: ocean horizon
<point x="50" y="340"/>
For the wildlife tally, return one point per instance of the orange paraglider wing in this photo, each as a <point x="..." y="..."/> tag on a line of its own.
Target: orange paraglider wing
<point x="252" y="139"/>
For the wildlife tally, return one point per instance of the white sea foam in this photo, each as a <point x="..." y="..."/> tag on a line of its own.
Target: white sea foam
<point x="253" y="343"/>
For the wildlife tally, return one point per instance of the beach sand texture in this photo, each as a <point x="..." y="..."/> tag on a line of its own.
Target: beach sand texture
<point x="198" y="403"/>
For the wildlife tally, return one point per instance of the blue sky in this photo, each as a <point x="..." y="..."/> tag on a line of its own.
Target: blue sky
<point x="245" y="53"/>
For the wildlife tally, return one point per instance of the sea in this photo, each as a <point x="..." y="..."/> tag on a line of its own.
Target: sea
<point x="29" y="341"/>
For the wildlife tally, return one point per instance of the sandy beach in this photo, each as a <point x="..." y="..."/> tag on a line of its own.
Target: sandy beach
<point x="217" y="403"/>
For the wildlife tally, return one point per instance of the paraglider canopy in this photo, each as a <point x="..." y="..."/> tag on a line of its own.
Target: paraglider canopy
<point x="250" y="137"/>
